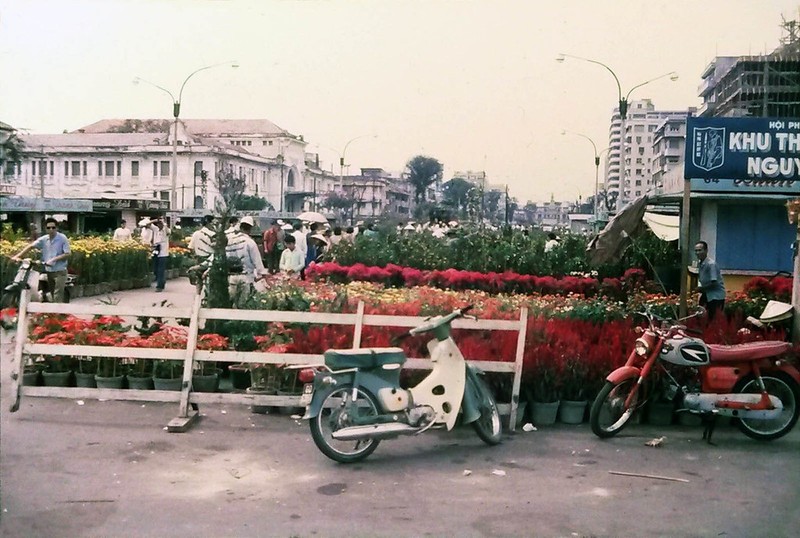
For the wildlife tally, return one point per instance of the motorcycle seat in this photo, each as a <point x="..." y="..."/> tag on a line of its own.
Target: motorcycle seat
<point x="750" y="351"/>
<point x="374" y="357"/>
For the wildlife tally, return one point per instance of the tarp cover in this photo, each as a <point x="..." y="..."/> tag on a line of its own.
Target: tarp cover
<point x="666" y="227"/>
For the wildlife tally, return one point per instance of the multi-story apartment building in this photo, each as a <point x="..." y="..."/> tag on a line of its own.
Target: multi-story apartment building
<point x="669" y="144"/>
<point x="377" y="193"/>
<point x="631" y="175"/>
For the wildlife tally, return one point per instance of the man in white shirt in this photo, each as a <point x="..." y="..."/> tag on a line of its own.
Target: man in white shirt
<point x="292" y="261"/>
<point x="160" y="252"/>
<point x="122" y="233"/>
<point x="202" y="242"/>
<point x="146" y="236"/>
<point x="243" y="248"/>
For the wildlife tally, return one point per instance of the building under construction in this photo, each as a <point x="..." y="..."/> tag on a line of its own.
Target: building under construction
<point x="763" y="86"/>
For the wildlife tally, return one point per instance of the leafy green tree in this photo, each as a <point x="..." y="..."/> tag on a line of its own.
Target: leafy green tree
<point x="343" y="203"/>
<point x="456" y="194"/>
<point x="11" y="150"/>
<point x="253" y="203"/>
<point x="491" y="204"/>
<point x="141" y="126"/>
<point x="422" y="173"/>
<point x="231" y="189"/>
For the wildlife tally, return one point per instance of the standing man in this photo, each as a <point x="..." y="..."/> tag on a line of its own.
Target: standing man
<point x="122" y="233"/>
<point x="146" y="237"/>
<point x="241" y="247"/>
<point x="272" y="246"/>
<point x="160" y="253"/>
<point x="709" y="281"/>
<point x="55" y="250"/>
<point x="202" y="242"/>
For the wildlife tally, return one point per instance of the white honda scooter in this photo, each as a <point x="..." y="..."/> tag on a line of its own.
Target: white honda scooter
<point x="355" y="400"/>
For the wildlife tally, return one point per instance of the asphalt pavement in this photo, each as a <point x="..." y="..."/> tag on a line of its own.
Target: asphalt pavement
<point x="102" y="468"/>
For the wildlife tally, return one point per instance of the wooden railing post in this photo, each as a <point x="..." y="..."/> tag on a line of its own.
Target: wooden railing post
<point x="184" y="419"/>
<point x="17" y="366"/>
<point x="359" y="325"/>
<point x="523" y="330"/>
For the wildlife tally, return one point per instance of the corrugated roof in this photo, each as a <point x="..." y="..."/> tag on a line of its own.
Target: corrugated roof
<point x="202" y="127"/>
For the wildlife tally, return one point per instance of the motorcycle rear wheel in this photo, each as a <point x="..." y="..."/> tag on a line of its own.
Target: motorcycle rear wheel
<point x="609" y="415"/>
<point x="488" y="426"/>
<point x="780" y="385"/>
<point x="333" y="417"/>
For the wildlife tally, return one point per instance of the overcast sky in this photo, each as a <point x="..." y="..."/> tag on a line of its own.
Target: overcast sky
<point x="474" y="84"/>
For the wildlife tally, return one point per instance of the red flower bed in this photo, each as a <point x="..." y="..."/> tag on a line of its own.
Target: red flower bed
<point x="506" y="282"/>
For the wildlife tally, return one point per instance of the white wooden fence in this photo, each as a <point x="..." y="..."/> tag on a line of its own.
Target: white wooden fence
<point x="190" y="354"/>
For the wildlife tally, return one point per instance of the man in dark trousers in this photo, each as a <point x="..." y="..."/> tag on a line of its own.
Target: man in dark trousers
<point x="709" y="281"/>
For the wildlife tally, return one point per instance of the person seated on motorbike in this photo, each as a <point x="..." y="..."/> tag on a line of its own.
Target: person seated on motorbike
<point x="54" y="247"/>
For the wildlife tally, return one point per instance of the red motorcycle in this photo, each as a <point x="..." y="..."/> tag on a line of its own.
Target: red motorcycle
<point x="752" y="383"/>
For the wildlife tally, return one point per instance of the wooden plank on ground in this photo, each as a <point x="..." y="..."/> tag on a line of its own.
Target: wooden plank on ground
<point x="523" y="327"/>
<point x="80" y="393"/>
<point x="17" y="360"/>
<point x="182" y="424"/>
<point x="188" y="359"/>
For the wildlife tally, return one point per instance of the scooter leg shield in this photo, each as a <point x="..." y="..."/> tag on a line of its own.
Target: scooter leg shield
<point x="471" y="403"/>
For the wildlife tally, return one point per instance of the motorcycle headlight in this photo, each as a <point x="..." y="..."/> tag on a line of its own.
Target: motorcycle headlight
<point x="641" y="347"/>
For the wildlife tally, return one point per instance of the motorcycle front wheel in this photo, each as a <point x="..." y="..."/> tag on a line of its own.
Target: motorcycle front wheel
<point x="488" y="426"/>
<point x="337" y="413"/>
<point x="780" y="385"/>
<point x="609" y="413"/>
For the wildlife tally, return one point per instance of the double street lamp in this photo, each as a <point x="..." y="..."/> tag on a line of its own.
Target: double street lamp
<point x="176" y="111"/>
<point x="596" y="172"/>
<point x="623" y="110"/>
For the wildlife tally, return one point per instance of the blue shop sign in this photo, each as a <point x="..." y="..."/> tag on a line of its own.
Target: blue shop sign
<point x="764" y="152"/>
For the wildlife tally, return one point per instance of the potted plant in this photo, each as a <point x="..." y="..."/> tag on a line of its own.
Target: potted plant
<point x="140" y="375"/>
<point x="167" y="374"/>
<point x="541" y="389"/>
<point x="58" y="370"/>
<point x="109" y="373"/>
<point x="205" y="377"/>
<point x="85" y="372"/>
<point x="573" y="385"/>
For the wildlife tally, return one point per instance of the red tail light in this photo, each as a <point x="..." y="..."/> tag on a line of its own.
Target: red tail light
<point x="306" y="375"/>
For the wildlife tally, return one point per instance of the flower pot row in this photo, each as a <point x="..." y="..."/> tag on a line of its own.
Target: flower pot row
<point x="200" y="383"/>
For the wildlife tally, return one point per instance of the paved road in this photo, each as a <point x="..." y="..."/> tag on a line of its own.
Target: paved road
<point x="109" y="469"/>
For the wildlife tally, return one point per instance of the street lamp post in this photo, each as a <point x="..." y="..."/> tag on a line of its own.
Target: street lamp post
<point x="623" y="111"/>
<point x="342" y="155"/>
<point x="596" y="173"/>
<point x="176" y="111"/>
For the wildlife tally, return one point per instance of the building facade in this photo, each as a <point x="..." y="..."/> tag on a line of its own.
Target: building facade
<point x="632" y="175"/>
<point x="109" y="159"/>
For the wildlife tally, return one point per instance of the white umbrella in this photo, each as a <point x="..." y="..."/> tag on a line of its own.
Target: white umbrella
<point x="312" y="216"/>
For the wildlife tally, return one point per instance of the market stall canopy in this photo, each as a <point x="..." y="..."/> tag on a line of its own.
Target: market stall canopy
<point x="609" y="245"/>
<point x="666" y="227"/>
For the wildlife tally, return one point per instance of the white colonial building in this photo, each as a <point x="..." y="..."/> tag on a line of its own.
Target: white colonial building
<point x="111" y="160"/>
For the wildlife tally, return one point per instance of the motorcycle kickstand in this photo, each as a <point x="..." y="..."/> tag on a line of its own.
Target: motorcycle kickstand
<point x="710" y="421"/>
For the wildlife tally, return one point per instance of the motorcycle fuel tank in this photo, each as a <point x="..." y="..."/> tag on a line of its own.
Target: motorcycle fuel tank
<point x="685" y="351"/>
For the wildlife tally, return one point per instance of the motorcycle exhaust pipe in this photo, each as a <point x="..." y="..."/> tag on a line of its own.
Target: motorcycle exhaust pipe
<point x="374" y="431"/>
